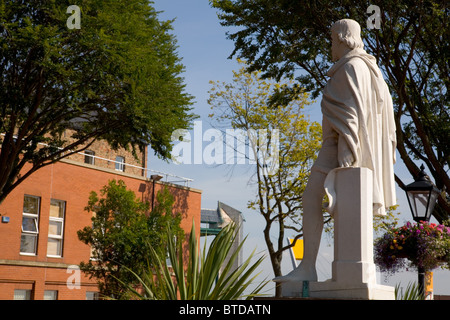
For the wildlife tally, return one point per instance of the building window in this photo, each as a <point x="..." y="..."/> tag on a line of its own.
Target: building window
<point x="89" y="157"/>
<point x="21" y="294"/>
<point x="30" y="225"/>
<point x="91" y="295"/>
<point x="120" y="163"/>
<point x="51" y="295"/>
<point x="56" y="228"/>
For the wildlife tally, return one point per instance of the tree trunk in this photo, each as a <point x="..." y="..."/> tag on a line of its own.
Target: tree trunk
<point x="276" y="265"/>
<point x="275" y="258"/>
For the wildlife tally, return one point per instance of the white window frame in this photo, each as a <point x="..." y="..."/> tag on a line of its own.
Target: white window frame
<point x="120" y="163"/>
<point x="33" y="233"/>
<point x="59" y="238"/>
<point x="50" y="294"/>
<point x="23" y="294"/>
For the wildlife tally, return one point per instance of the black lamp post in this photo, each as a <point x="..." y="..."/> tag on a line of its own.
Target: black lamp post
<point x="422" y="195"/>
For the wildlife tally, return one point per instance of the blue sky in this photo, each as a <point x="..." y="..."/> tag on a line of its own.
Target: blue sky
<point x="204" y="50"/>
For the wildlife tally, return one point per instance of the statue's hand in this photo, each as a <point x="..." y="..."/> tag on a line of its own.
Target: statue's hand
<point x="345" y="155"/>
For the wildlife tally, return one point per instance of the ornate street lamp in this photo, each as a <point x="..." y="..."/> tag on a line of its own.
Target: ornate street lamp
<point x="422" y="195"/>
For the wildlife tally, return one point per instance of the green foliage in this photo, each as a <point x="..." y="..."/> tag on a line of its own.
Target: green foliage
<point x="121" y="233"/>
<point x="202" y="276"/>
<point x="285" y="38"/>
<point x="426" y="245"/>
<point x="116" y="78"/>
<point x="391" y="217"/>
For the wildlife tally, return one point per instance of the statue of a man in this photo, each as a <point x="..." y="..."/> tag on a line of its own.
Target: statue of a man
<point x="358" y="131"/>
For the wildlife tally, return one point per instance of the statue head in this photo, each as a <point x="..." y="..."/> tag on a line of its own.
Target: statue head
<point x="346" y="36"/>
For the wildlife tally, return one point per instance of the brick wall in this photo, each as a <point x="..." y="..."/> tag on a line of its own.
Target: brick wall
<point x="71" y="182"/>
<point x="105" y="157"/>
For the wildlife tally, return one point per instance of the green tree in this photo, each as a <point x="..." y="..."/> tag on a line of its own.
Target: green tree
<point x="286" y="38"/>
<point x="116" y="78"/>
<point x="121" y="233"/>
<point x="283" y="160"/>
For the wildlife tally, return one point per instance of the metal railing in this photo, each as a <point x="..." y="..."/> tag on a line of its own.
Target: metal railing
<point x="159" y="175"/>
<point x="147" y="171"/>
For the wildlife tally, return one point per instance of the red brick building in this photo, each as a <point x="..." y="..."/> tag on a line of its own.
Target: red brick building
<point x="39" y="246"/>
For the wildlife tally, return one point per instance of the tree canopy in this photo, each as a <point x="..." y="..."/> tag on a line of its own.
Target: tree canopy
<point x="283" y="37"/>
<point x="117" y="77"/>
<point x="124" y="234"/>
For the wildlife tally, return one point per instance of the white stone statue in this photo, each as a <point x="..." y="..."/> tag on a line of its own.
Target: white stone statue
<point x="358" y="131"/>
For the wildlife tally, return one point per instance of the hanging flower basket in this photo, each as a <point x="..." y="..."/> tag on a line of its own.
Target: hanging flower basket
<point x="423" y="245"/>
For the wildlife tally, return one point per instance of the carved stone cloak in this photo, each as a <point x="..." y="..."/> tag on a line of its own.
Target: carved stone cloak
<point x="358" y="106"/>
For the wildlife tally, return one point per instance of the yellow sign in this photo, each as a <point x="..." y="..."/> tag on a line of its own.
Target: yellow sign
<point x="429" y="285"/>
<point x="297" y="248"/>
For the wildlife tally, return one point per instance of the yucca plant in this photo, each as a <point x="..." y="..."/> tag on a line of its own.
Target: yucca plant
<point x="412" y="292"/>
<point x="202" y="276"/>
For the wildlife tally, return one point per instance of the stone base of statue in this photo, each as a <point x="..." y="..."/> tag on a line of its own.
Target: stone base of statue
<point x="353" y="269"/>
<point x="331" y="289"/>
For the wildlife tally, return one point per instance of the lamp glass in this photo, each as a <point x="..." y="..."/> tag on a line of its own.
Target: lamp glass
<point x="422" y="203"/>
<point x="418" y="201"/>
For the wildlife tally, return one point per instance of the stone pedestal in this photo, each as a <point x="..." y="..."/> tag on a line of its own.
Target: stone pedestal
<point x="353" y="269"/>
<point x="336" y="290"/>
<point x="353" y="227"/>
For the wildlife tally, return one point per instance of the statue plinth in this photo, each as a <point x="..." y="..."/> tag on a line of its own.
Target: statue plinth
<point x="353" y="269"/>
